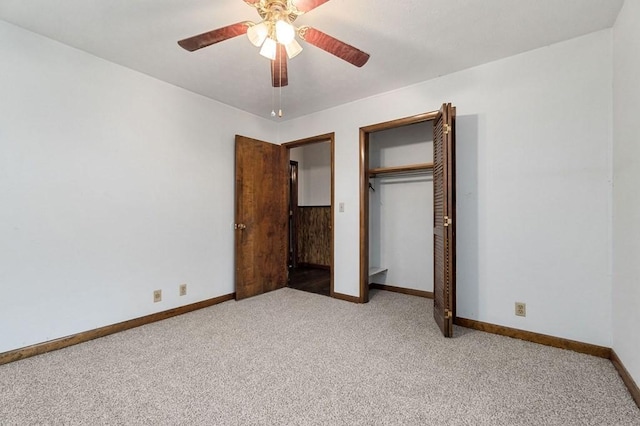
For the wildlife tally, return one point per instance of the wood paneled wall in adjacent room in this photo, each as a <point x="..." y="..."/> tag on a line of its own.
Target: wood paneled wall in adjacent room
<point x="314" y="235"/>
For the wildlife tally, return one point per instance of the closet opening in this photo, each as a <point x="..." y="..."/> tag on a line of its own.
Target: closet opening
<point x="407" y="210"/>
<point x="310" y="261"/>
<point x="401" y="208"/>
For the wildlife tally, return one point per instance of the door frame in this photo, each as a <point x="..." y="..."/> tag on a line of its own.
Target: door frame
<point x="293" y="213"/>
<point x="327" y="137"/>
<point x="364" y="189"/>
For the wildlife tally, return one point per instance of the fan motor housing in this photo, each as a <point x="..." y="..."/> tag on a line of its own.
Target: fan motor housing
<point x="277" y="9"/>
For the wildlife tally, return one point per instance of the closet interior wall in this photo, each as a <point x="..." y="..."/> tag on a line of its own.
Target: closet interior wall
<point x="401" y="208"/>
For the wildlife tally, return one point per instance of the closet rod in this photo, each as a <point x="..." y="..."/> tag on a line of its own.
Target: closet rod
<point x="410" y="169"/>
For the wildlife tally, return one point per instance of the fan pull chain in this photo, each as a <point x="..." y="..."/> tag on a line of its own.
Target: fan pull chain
<point x="280" y="85"/>
<point x="273" y="101"/>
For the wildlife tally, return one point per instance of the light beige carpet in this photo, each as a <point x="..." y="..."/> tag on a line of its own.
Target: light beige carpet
<point x="294" y="358"/>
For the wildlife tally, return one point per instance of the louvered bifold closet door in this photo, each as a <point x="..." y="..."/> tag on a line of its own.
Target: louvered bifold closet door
<point x="444" y="219"/>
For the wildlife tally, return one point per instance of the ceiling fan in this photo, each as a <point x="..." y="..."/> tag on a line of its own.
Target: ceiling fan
<point x="275" y="34"/>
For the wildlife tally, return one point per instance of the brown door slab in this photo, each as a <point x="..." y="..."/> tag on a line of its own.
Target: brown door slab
<point x="261" y="217"/>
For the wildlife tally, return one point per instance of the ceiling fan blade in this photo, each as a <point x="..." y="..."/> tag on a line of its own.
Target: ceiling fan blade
<point x="334" y="46"/>
<point x="307" y="5"/>
<point x="216" y="36"/>
<point x="279" y="74"/>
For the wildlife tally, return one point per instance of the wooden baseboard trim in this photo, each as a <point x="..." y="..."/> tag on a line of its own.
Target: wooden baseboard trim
<point x="543" y="339"/>
<point x="346" y="297"/>
<point x="626" y="377"/>
<point x="63" y="342"/>
<point x="410" y="291"/>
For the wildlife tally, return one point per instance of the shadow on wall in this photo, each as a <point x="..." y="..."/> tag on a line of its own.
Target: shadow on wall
<point x="468" y="217"/>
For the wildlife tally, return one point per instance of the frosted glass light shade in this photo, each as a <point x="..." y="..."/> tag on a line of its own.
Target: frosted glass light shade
<point x="258" y="33"/>
<point x="293" y="49"/>
<point x="285" y="32"/>
<point x="269" y="49"/>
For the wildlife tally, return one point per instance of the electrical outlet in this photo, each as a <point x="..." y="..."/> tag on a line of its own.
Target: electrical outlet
<point x="157" y="296"/>
<point x="521" y="309"/>
<point x="183" y="289"/>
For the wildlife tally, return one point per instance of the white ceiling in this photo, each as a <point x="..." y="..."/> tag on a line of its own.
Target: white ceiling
<point x="409" y="41"/>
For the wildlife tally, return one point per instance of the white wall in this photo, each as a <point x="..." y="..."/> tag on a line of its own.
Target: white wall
<point x="626" y="203"/>
<point x="402" y="146"/>
<point x="401" y="208"/>
<point x="534" y="184"/>
<point x="314" y="173"/>
<point x="112" y="184"/>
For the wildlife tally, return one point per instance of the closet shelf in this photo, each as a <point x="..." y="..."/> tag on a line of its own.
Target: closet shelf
<point x="373" y="270"/>
<point x="412" y="168"/>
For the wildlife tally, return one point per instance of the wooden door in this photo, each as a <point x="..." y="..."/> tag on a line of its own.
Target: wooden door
<point x="444" y="220"/>
<point x="261" y="217"/>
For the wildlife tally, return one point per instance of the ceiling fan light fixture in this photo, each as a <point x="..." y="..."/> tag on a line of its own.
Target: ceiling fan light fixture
<point x="275" y="33"/>
<point x="257" y="34"/>
<point x="285" y="32"/>
<point x="293" y="49"/>
<point x="269" y="49"/>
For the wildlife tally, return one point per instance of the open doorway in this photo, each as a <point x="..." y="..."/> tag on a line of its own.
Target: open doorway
<point x="401" y="208"/>
<point x="310" y="254"/>
<point x="390" y="160"/>
<point x="262" y="215"/>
